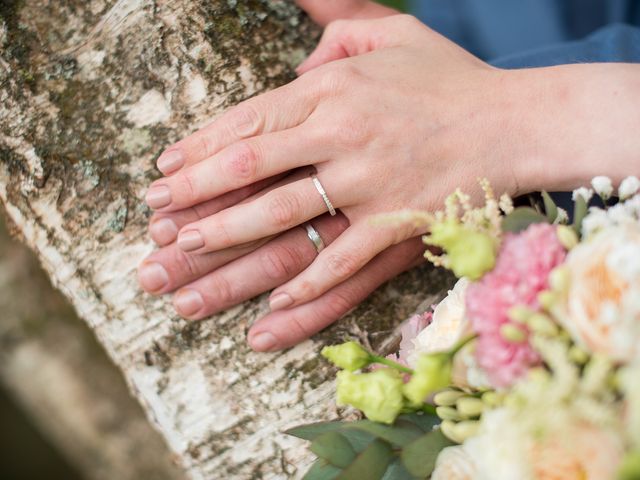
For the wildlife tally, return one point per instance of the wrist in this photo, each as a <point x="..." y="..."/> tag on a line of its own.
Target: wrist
<point x="574" y="122"/>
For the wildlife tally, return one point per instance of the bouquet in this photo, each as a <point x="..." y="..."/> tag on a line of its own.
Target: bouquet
<point x="528" y="369"/>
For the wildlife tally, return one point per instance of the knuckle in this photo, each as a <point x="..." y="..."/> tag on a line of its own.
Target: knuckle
<point x="282" y="209"/>
<point x="221" y="290"/>
<point x="192" y="266"/>
<point x="405" y="20"/>
<point x="338" y="302"/>
<point x="350" y="131"/>
<point x="243" y="161"/>
<point x="186" y="186"/>
<point x="341" y="265"/>
<point x="336" y="78"/>
<point x="279" y="263"/>
<point x="335" y="28"/>
<point x="244" y="121"/>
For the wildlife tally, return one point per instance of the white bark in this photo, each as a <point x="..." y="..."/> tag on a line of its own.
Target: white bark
<point x="90" y="92"/>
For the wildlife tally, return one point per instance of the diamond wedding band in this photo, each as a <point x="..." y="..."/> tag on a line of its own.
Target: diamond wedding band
<point x="315" y="237"/>
<point x="323" y="194"/>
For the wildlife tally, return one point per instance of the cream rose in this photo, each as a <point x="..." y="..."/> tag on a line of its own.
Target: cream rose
<point x="448" y="326"/>
<point x="454" y="463"/>
<point x="601" y="305"/>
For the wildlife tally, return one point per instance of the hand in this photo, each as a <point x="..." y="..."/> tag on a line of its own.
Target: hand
<point x="397" y="126"/>
<point x="326" y="11"/>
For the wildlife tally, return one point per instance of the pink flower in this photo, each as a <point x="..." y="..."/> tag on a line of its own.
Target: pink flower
<point x="521" y="273"/>
<point x="409" y="331"/>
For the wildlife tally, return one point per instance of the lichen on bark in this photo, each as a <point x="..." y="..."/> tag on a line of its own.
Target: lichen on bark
<point x="91" y="91"/>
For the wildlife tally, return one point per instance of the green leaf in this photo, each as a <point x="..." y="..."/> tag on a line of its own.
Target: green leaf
<point x="550" y="207"/>
<point x="322" y="470"/>
<point x="396" y="434"/>
<point x="580" y="209"/>
<point x="397" y="471"/>
<point x="371" y="464"/>
<point x="423" y="421"/>
<point x="359" y="439"/>
<point x="420" y="456"/>
<point x="521" y="218"/>
<point x="313" y="430"/>
<point x="333" y="448"/>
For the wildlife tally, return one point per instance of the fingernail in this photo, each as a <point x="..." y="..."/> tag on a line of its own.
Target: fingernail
<point x="170" y="161"/>
<point x="188" y="302"/>
<point x="158" y="196"/>
<point x="263" y="342"/>
<point x="163" y="231"/>
<point x="280" y="301"/>
<point x="190" y="240"/>
<point x="152" y="276"/>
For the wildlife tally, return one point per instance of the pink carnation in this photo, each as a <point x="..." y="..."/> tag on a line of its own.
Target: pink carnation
<point x="521" y="273"/>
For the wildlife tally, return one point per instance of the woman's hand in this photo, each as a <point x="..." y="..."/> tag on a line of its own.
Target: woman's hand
<point x="398" y="125"/>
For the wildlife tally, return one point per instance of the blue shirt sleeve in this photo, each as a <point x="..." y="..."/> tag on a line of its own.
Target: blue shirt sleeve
<point x="613" y="43"/>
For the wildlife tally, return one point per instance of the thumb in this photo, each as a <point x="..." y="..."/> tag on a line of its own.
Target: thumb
<point x="326" y="11"/>
<point x="349" y="38"/>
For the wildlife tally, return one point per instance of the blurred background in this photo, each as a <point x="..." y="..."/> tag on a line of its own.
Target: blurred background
<point x="65" y="411"/>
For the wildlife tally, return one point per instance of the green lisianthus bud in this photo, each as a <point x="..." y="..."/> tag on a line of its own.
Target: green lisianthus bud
<point x="448" y="413"/>
<point x="467" y="429"/>
<point x="349" y="355"/>
<point x="471" y="253"/>
<point x="432" y="373"/>
<point x="567" y="236"/>
<point x="377" y="394"/>
<point x="447" y="398"/>
<point x="470" y="407"/>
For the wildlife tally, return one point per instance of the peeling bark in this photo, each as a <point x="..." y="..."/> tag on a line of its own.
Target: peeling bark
<point x="90" y="93"/>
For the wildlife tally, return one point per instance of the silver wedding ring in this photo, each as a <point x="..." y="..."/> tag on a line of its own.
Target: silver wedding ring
<point x="315" y="237"/>
<point x="323" y="194"/>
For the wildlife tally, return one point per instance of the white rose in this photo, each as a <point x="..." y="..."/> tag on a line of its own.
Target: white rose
<point x="603" y="186"/>
<point x="448" y="326"/>
<point x="454" y="463"/>
<point x="601" y="307"/>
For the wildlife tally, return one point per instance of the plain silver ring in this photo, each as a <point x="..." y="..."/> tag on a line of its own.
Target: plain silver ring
<point x="315" y="237"/>
<point x="323" y="194"/>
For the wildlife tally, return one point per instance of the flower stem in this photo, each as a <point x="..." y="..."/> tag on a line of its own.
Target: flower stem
<point x="390" y="363"/>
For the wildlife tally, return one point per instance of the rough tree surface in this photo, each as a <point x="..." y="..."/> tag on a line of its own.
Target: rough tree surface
<point x="90" y="93"/>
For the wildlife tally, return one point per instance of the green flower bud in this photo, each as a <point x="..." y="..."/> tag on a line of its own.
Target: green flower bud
<point x="578" y="355"/>
<point x="447" y="398"/>
<point x="630" y="467"/>
<point x="448" y="413"/>
<point x="471" y="253"/>
<point x="349" y="355"/>
<point x="543" y="325"/>
<point x="432" y="373"/>
<point x="470" y="407"/>
<point x="492" y="399"/>
<point x="547" y="299"/>
<point x="567" y="236"/>
<point x="559" y="279"/>
<point x="513" y="333"/>
<point x="520" y="314"/>
<point x="447" y="427"/>
<point x="377" y="394"/>
<point x="466" y="429"/>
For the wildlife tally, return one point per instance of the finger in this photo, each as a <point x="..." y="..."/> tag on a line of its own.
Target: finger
<point x="285" y="328"/>
<point x="238" y="165"/>
<point x="272" y="213"/>
<point x="265" y="268"/>
<point x="338" y="262"/>
<point x="348" y="38"/>
<point x="164" y="227"/>
<point x="170" y="267"/>
<point x="279" y="109"/>
<point x="325" y="11"/>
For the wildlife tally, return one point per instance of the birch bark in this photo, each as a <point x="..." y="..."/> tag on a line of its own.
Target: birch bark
<point x="90" y="93"/>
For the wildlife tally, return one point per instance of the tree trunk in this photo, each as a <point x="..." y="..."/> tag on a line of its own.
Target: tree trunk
<point x="91" y="91"/>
